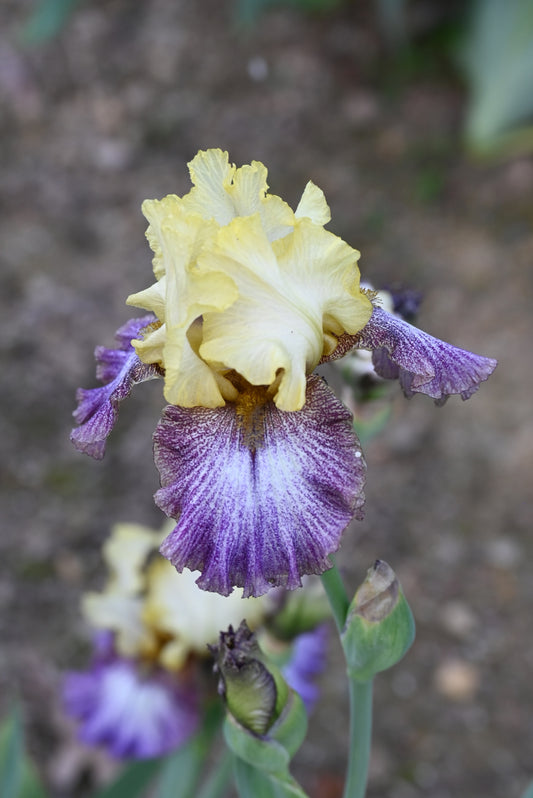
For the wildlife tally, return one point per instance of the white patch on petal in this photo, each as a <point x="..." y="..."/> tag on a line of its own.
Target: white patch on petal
<point x="261" y="496"/>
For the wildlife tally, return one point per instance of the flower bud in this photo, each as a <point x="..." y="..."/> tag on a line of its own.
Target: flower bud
<point x="379" y="626"/>
<point x="266" y="721"/>
<point x="253" y="688"/>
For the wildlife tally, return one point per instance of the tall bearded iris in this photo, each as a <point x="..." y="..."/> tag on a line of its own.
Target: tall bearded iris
<point x="258" y="460"/>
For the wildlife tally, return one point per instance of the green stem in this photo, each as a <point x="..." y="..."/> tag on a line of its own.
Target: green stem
<point x="336" y="593"/>
<point x="360" y="737"/>
<point x="360" y="695"/>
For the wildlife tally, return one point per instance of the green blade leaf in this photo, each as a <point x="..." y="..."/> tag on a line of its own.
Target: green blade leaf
<point x="133" y="781"/>
<point x="497" y="58"/>
<point x="18" y="777"/>
<point x="529" y="792"/>
<point x="181" y="772"/>
<point x="47" y="20"/>
<point x="31" y="786"/>
<point x="11" y="755"/>
<point x="216" y="785"/>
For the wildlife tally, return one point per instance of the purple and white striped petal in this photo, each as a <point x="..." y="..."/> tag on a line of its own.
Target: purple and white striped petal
<point x="259" y="502"/>
<point x="119" y="369"/>
<point x="422" y="364"/>
<point x="132" y="715"/>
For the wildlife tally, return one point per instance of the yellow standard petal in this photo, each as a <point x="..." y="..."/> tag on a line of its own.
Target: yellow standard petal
<point x="181" y="295"/>
<point x="292" y="294"/>
<point x="122" y="615"/>
<point x="313" y="205"/>
<point x="125" y="554"/>
<point x="188" y="617"/>
<point x="222" y="192"/>
<point x="246" y="289"/>
<point x="118" y="608"/>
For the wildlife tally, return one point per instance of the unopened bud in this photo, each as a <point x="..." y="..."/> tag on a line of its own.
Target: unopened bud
<point x="253" y="688"/>
<point x="379" y="626"/>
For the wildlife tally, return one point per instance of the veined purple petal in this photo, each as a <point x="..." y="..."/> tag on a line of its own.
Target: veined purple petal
<point x="422" y="364"/>
<point x="308" y="659"/>
<point x="120" y="369"/>
<point x="261" y="504"/>
<point x="133" y="716"/>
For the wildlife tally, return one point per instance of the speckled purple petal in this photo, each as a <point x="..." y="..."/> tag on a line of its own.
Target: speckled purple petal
<point x="422" y="364"/>
<point x="307" y="661"/>
<point x="258" y="510"/>
<point x="120" y="369"/>
<point x="133" y="715"/>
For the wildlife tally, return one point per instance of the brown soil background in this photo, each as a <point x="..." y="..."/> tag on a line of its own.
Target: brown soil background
<point x="108" y="114"/>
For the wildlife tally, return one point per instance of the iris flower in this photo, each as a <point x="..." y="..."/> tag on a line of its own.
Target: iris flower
<point x="143" y="694"/>
<point x="258" y="460"/>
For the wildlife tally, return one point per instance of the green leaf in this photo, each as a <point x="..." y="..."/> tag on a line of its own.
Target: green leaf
<point x="247" y="12"/>
<point x="256" y="783"/>
<point x="392" y="16"/>
<point x="267" y="754"/>
<point x="291" y="727"/>
<point x="133" y="781"/>
<point x="31" y="786"/>
<point x="497" y="57"/>
<point x="181" y="772"/>
<point x="47" y="20"/>
<point x="216" y="785"/>
<point x="178" y="774"/>
<point x="18" y="777"/>
<point x="11" y="755"/>
<point x="529" y="792"/>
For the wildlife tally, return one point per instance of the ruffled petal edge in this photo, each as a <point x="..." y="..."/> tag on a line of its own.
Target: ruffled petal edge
<point x="258" y="504"/>
<point x="120" y="369"/>
<point x="421" y="363"/>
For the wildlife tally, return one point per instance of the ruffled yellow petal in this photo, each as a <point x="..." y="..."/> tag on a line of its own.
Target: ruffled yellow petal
<point x="119" y="607"/>
<point x="313" y="205"/>
<point x="125" y="554"/>
<point x="211" y="174"/>
<point x="121" y="614"/>
<point x="189" y="381"/>
<point x="222" y="192"/>
<point x="150" y="347"/>
<point x="152" y="298"/>
<point x="322" y="275"/>
<point x="291" y="293"/>
<point x="244" y="285"/>
<point x="175" y="606"/>
<point x="181" y="295"/>
<point x="155" y="211"/>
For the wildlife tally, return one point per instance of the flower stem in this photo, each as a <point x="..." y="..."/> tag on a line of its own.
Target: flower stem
<point x="360" y="695"/>
<point x="336" y="593"/>
<point x="360" y="737"/>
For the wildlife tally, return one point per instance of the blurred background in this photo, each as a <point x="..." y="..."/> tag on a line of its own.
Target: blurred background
<point x="415" y="120"/>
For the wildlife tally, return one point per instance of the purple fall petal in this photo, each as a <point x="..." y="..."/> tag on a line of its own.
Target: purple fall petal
<point x="422" y="364"/>
<point x="120" y="369"/>
<point x="132" y="715"/>
<point x="258" y="506"/>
